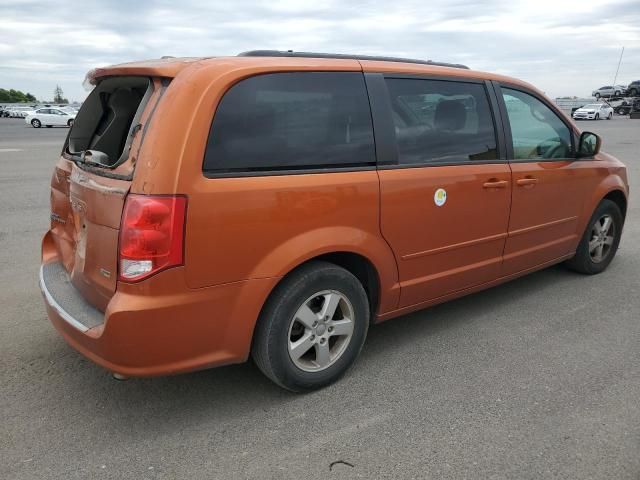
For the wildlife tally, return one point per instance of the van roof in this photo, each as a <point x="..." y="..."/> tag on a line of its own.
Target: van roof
<point x="171" y="66"/>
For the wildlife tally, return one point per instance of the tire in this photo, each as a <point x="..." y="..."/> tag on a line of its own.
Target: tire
<point x="597" y="95"/>
<point x="597" y="117"/>
<point x="70" y="123"/>
<point x="616" y="93"/>
<point x="586" y="260"/>
<point x="633" y="92"/>
<point x="610" y="116"/>
<point x="280" y="332"/>
<point x="35" y="123"/>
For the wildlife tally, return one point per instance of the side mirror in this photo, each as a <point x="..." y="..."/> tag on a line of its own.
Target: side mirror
<point x="589" y="144"/>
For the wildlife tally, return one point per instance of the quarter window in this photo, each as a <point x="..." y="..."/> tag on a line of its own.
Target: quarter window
<point x="536" y="131"/>
<point x="288" y="121"/>
<point x="440" y="121"/>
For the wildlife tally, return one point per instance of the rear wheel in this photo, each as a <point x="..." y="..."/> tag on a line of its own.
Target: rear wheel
<point x="633" y="92"/>
<point x="610" y="116"/>
<point x="600" y="241"/>
<point x="35" y="123"/>
<point x="597" y="95"/>
<point x="70" y="123"/>
<point x="312" y="328"/>
<point x="597" y="117"/>
<point x="616" y="93"/>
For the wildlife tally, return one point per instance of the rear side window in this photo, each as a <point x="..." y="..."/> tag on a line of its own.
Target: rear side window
<point x="290" y="121"/>
<point x="108" y="116"/>
<point x="439" y="121"/>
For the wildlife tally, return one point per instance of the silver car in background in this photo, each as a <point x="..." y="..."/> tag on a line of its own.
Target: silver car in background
<point x="609" y="91"/>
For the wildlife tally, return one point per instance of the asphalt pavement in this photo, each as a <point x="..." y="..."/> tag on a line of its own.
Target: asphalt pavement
<point x="537" y="378"/>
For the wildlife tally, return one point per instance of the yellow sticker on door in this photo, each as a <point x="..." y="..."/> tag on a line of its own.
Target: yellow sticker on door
<point x="440" y="197"/>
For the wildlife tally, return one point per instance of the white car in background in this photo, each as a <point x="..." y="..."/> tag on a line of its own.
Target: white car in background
<point x="19" y="112"/>
<point x="50" y="117"/>
<point x="594" y="111"/>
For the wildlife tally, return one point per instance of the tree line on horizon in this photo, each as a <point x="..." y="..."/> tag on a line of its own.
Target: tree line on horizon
<point x="16" y="96"/>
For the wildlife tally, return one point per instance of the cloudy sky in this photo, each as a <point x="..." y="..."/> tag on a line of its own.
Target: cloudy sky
<point x="565" y="47"/>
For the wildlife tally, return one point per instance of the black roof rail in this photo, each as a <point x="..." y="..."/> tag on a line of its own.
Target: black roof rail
<point x="291" y="53"/>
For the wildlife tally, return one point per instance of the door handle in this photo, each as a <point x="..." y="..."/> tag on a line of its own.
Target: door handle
<point x="495" y="183"/>
<point x="523" y="182"/>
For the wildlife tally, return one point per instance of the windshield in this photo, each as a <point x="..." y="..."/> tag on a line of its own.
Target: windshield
<point x="596" y="105"/>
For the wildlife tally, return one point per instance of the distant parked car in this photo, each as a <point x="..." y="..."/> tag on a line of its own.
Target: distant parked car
<point x="594" y="111"/>
<point x="633" y="89"/>
<point x="50" y="117"/>
<point x="610" y="91"/>
<point x="19" y="112"/>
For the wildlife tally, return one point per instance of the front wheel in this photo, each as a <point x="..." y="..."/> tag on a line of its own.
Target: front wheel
<point x="597" y="95"/>
<point x="70" y="123"/>
<point x="35" y="123"/>
<point x="312" y="328"/>
<point x="633" y="92"/>
<point x="610" y="116"/>
<point x="597" y="117"/>
<point x="616" y="93"/>
<point x="600" y="240"/>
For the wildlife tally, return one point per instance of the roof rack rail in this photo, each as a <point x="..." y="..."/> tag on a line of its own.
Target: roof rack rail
<point x="291" y="53"/>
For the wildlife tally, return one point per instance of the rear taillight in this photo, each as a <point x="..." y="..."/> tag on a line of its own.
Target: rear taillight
<point x="151" y="235"/>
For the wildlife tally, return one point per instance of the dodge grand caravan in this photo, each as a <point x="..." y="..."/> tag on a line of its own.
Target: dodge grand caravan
<point x="276" y="204"/>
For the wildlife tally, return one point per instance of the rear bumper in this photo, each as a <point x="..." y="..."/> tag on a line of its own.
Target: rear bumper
<point x="159" y="326"/>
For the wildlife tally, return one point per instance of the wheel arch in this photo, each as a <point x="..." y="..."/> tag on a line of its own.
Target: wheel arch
<point x="618" y="197"/>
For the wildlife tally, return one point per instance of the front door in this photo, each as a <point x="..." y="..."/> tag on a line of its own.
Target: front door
<point x="549" y="184"/>
<point x="445" y="202"/>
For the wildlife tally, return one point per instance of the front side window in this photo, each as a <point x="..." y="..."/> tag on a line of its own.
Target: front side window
<point x="537" y="132"/>
<point x="440" y="121"/>
<point x="288" y="121"/>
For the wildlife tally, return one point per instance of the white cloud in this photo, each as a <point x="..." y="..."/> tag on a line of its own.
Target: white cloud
<point x="564" y="47"/>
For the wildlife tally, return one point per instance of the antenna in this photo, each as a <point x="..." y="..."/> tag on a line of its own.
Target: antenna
<point x="618" y="69"/>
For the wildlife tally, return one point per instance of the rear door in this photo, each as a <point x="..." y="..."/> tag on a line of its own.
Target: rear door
<point x="44" y="115"/>
<point x="549" y="184"/>
<point x="86" y="199"/>
<point x="58" y="117"/>
<point x="445" y="185"/>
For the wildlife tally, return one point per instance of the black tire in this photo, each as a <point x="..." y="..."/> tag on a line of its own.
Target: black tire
<point x="616" y="93"/>
<point x="270" y="346"/>
<point x="35" y="123"/>
<point x="70" y="123"/>
<point x="597" y="95"/>
<point x="610" y="116"/>
<point x="597" y="116"/>
<point x="633" y="92"/>
<point x="582" y="262"/>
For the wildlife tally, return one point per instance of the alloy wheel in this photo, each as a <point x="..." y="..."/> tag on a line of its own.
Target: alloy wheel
<point x="603" y="234"/>
<point x="320" y="331"/>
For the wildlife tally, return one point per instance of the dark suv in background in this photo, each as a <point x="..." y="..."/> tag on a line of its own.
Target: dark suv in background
<point x="633" y="89"/>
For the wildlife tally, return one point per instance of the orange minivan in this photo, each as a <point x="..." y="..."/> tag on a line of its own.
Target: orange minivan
<point x="275" y="204"/>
